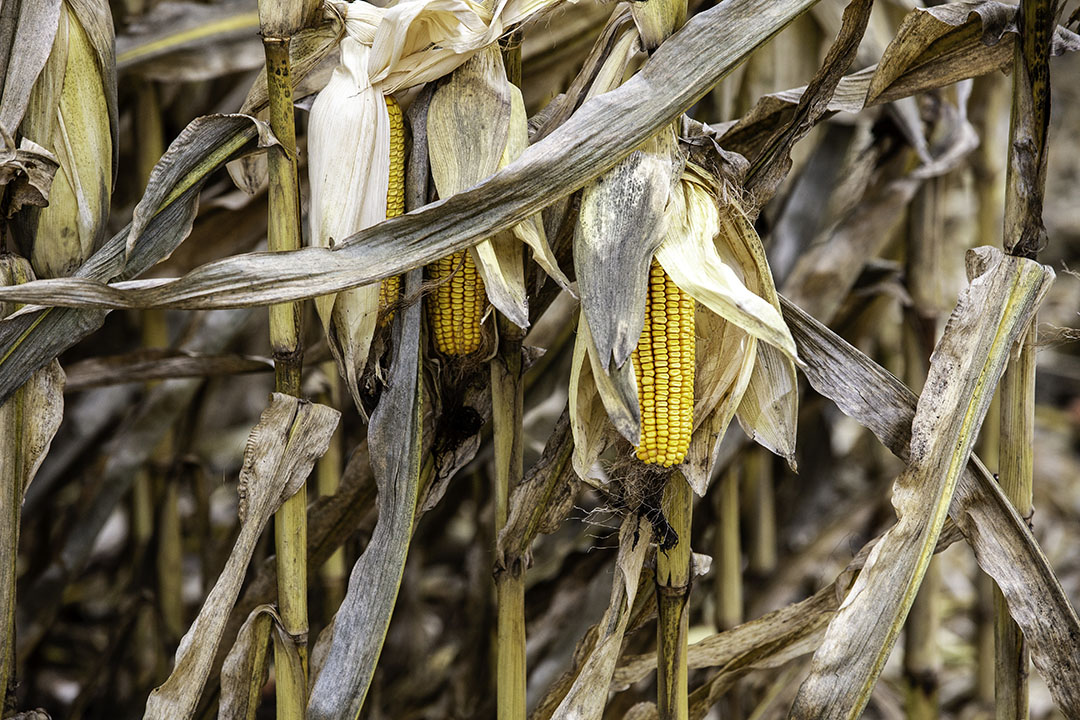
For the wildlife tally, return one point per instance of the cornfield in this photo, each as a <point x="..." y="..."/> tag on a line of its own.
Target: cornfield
<point x="539" y="359"/>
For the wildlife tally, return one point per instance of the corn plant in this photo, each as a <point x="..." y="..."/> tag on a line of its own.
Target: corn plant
<point x="623" y="474"/>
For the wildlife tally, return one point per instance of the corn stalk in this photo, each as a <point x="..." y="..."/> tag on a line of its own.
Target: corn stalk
<point x="673" y="575"/>
<point x="507" y="403"/>
<point x="279" y="20"/>
<point x="1024" y="234"/>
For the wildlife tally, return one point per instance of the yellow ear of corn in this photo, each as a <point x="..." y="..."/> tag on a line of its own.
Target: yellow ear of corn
<point x="390" y="290"/>
<point x="456" y="306"/>
<point x="664" y="363"/>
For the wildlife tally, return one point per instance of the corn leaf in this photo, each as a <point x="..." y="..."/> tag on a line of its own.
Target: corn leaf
<point x="282" y="448"/>
<point x="138" y="434"/>
<point x="1003" y="543"/>
<point x="698" y="270"/>
<point x="708" y="47"/>
<point x="966" y="365"/>
<point x="934" y="47"/>
<point x="588" y="695"/>
<point x="172" y="29"/>
<point x="246" y="666"/>
<point x="394" y="436"/>
<point x="542" y="500"/>
<point x="162" y="220"/>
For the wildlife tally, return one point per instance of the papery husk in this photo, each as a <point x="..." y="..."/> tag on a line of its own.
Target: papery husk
<point x="477" y="125"/>
<point x="423" y="40"/>
<point x="768" y="412"/>
<point x="348" y="194"/>
<point x="69" y="114"/>
<point x="699" y="270"/>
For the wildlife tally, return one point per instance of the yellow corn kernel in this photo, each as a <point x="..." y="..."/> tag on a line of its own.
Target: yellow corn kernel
<point x="664" y="363"/>
<point x="390" y="290"/>
<point x="456" y="305"/>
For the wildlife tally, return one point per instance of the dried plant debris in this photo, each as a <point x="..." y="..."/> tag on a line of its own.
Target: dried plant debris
<point x="551" y="254"/>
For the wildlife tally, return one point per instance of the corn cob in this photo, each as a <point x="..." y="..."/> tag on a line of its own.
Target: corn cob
<point x="390" y="290"/>
<point x="664" y="363"/>
<point x="456" y="306"/>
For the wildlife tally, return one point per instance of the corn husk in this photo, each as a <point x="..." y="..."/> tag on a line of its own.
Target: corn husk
<point x="477" y="125"/>
<point x="390" y="49"/>
<point x="657" y="19"/>
<point x="711" y="252"/>
<point x="71" y="114"/>
<point x="348" y="193"/>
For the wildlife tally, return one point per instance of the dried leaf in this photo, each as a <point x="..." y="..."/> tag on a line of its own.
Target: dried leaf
<point x="773" y="161"/>
<point x="1003" y="543"/>
<point x="541" y="501"/>
<point x="697" y="268"/>
<point x="168" y="207"/>
<point x="939" y="46"/>
<point x="246" y="666"/>
<point x="588" y="695"/>
<point x="964" y="369"/>
<point x="685" y="67"/>
<point x="144" y="365"/>
<point x="282" y="448"/>
<point x="394" y="435"/>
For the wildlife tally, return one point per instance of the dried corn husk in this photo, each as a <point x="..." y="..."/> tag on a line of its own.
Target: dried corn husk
<point x="389" y="49"/>
<point x="348" y="193"/>
<point x="712" y="253"/>
<point x="72" y="114"/>
<point x="477" y="125"/>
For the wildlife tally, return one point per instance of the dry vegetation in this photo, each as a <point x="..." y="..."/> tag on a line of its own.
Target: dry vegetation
<point x="368" y="505"/>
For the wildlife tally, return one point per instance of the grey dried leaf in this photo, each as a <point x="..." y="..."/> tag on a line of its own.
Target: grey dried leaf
<point x="708" y="47"/>
<point x="394" y="436"/>
<point x="773" y="162"/>
<point x="964" y="369"/>
<point x="1003" y="543"/>
<point x="281" y="450"/>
